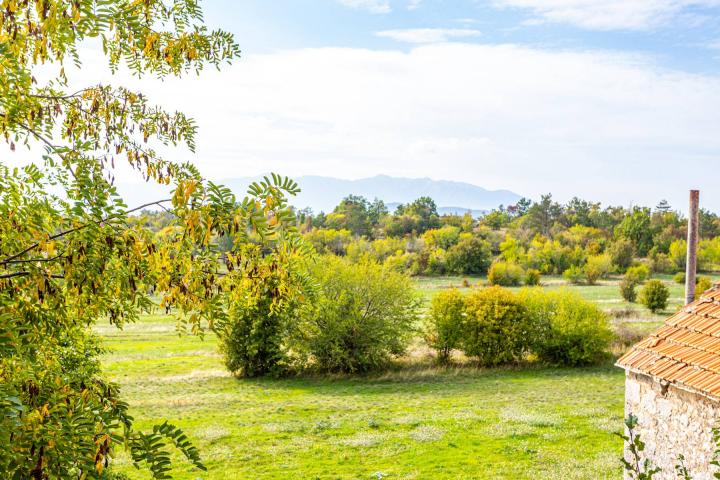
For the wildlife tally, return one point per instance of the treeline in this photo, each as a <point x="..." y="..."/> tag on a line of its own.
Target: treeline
<point x="581" y="240"/>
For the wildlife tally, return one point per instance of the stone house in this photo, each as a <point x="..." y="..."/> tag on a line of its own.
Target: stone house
<point x="673" y="387"/>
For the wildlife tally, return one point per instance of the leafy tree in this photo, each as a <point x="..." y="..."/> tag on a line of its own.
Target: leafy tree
<point x="470" y="256"/>
<point x="621" y="253"/>
<point x="627" y="289"/>
<point x="376" y="211"/>
<point x="636" y="228"/>
<point x="70" y="255"/>
<point x="654" y="295"/>
<point x="678" y="254"/>
<point x="709" y="224"/>
<point x="351" y="214"/>
<point x="444" y="237"/>
<point x="543" y="214"/>
<point x="425" y="209"/>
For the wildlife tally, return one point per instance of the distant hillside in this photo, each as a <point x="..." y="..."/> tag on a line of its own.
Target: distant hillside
<point x="324" y="193"/>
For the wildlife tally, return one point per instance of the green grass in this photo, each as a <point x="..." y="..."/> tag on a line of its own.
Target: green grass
<point x="415" y="422"/>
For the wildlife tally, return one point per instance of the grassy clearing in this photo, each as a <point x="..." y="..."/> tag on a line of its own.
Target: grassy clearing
<point x="412" y="423"/>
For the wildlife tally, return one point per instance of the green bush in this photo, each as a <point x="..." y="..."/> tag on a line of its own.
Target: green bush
<point x="437" y="262"/>
<point x="252" y="344"/>
<point x="532" y="277"/>
<point x="505" y="274"/>
<point x="567" y="330"/>
<point x="702" y="285"/>
<point x="679" y="277"/>
<point x="661" y="263"/>
<point x="654" y="295"/>
<point x="469" y="256"/>
<point x="574" y="275"/>
<point x="678" y="254"/>
<point x="621" y="253"/>
<point x="638" y="273"/>
<point x="597" y="267"/>
<point x="444" y="324"/>
<point x="497" y="329"/>
<point x="363" y="314"/>
<point x="627" y="289"/>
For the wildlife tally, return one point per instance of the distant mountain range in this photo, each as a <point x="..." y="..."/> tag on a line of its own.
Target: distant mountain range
<point x="324" y="193"/>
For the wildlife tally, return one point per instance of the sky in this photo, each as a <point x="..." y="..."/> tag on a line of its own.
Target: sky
<point x="615" y="101"/>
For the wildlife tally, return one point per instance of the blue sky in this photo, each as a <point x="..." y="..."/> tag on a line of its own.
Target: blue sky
<point x="676" y="33"/>
<point x="611" y="100"/>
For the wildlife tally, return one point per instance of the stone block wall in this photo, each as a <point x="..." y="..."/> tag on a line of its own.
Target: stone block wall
<point x="672" y="421"/>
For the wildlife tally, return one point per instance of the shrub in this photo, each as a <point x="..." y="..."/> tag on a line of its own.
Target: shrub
<point x="679" y="277"/>
<point x="638" y="273"/>
<point x="660" y="263"/>
<point x="497" y="329"/>
<point x="362" y="315"/>
<point x="702" y="285"/>
<point x="252" y="344"/>
<point x="437" y="262"/>
<point x="597" y="267"/>
<point x="567" y="330"/>
<point x="574" y="274"/>
<point x="469" y="256"/>
<point x="678" y="254"/>
<point x="621" y="253"/>
<point x="532" y="277"/>
<point x="445" y="322"/>
<point x="505" y="274"/>
<point x="627" y="289"/>
<point x="654" y="295"/>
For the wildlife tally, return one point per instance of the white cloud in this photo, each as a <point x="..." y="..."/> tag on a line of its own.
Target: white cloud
<point x="414" y="4"/>
<point x="373" y="6"/>
<point x="608" y="14"/>
<point x="427" y="35"/>
<point x="600" y="125"/>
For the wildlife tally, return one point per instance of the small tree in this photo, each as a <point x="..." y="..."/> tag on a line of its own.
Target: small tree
<point x="627" y="289"/>
<point x="444" y="324"/>
<point x="621" y="253"/>
<point x="469" y="256"/>
<point x="654" y="295"/>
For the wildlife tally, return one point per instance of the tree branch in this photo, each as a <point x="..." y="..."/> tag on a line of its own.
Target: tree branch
<point x="13" y="257"/>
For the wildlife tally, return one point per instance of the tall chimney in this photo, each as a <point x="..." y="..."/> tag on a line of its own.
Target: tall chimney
<point x="692" y="242"/>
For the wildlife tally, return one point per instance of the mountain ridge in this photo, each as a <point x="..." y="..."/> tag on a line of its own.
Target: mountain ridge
<point x="323" y="193"/>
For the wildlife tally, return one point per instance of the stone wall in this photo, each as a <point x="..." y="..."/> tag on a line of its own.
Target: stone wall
<point x="672" y="421"/>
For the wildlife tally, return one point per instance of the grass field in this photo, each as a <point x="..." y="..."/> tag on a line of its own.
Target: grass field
<point x="411" y="423"/>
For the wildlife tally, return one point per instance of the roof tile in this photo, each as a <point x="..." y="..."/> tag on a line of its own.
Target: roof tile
<point x="686" y="349"/>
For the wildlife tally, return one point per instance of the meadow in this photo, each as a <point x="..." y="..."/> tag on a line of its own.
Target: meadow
<point x="416" y="421"/>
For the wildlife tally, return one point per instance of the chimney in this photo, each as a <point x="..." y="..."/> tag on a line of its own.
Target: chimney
<point x="692" y="242"/>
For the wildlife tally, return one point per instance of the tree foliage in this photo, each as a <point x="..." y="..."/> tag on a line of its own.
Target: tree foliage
<point x="70" y="253"/>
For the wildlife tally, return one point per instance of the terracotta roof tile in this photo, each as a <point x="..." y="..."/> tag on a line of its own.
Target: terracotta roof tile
<point x="686" y="349"/>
